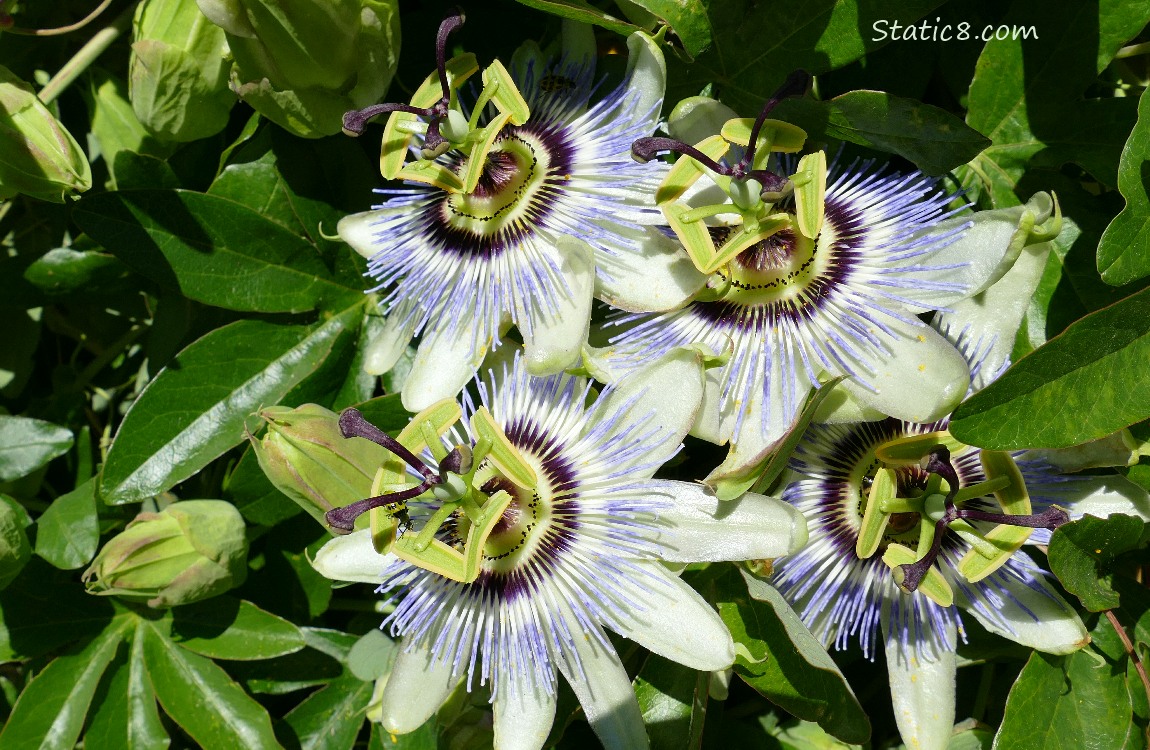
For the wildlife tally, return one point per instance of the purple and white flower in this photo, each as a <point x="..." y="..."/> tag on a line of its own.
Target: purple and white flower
<point x="575" y="556"/>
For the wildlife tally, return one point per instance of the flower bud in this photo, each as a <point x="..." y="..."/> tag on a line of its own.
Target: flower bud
<point x="303" y="63"/>
<point x="38" y="156"/>
<point x="307" y="458"/>
<point x="14" y="547"/>
<point x="192" y="550"/>
<point x="178" y="80"/>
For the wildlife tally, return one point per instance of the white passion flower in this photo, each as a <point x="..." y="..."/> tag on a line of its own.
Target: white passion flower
<point x="575" y="547"/>
<point x="837" y="295"/>
<point x="877" y="517"/>
<point x="521" y="210"/>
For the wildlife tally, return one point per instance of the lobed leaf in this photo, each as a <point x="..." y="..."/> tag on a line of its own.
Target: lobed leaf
<point x="1081" y="553"/>
<point x="1124" y="252"/>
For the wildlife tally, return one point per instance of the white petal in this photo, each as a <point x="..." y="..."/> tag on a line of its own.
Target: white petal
<point x="443" y="364"/>
<point x="984" y="252"/>
<point x="665" y="394"/>
<point x="1104" y="496"/>
<point x="713" y="424"/>
<point x="359" y="230"/>
<point x="988" y="323"/>
<point x="655" y="275"/>
<point x="1035" y="615"/>
<point x="698" y="117"/>
<point x="698" y="527"/>
<point x="754" y="439"/>
<point x="604" y="690"/>
<point x="923" y="694"/>
<point x="351" y="558"/>
<point x="559" y="327"/>
<point x="524" y="713"/>
<point x="840" y="407"/>
<point x="1118" y="449"/>
<point x="417" y="687"/>
<point x="388" y="343"/>
<point x="923" y="379"/>
<point x="678" y="624"/>
<point x="646" y="78"/>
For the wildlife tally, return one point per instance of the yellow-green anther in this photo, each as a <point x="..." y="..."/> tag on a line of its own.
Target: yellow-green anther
<point x="1014" y="497"/>
<point x="431" y="173"/>
<point x="775" y="135"/>
<point x="503" y="455"/>
<point x="477" y="160"/>
<point x="505" y="94"/>
<point x="934" y="586"/>
<point x="685" y="172"/>
<point x="997" y="547"/>
<point x="875" y="517"/>
<point x="810" y="193"/>
<point x="911" y="449"/>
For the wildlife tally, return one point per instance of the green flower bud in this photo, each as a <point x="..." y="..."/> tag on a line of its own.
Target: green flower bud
<point x="303" y="63"/>
<point x="306" y="457"/>
<point x="178" y="80"/>
<point x="14" y="547"/>
<point x="38" y="156"/>
<point x="192" y="550"/>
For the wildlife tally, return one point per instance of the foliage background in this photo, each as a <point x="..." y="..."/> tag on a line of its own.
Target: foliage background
<point x="145" y="325"/>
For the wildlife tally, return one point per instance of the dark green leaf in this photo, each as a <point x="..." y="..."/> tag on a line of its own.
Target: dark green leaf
<point x="1124" y="253"/>
<point x="935" y="140"/>
<point x="330" y="718"/>
<point x="784" y="662"/>
<point x="1068" y="701"/>
<point x="143" y="172"/>
<point x="687" y="19"/>
<point x="196" y="408"/>
<point x="229" y="628"/>
<point x="584" y="12"/>
<point x="1087" y="383"/>
<point x="755" y="45"/>
<point x="127" y="716"/>
<point x="212" y="249"/>
<point x="67" y="271"/>
<point x="202" y="699"/>
<point x="1081" y="553"/>
<point x="27" y="444"/>
<point x="318" y="664"/>
<point x="17" y="356"/>
<point x="386" y="413"/>
<point x="68" y="533"/>
<point x="1039" y="118"/>
<point x="51" y="710"/>
<point x="673" y="699"/>
<point x="45" y="608"/>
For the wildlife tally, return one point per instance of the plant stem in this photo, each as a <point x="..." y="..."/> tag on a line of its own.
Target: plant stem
<point x="1129" y="645"/>
<point x="87" y="55"/>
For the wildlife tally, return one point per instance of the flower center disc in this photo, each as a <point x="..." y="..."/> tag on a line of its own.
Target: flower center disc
<point x="777" y="269"/>
<point x="515" y="170"/>
<point x="523" y="524"/>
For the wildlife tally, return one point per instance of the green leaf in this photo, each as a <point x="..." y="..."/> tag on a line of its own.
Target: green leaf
<point x="779" y="657"/>
<point x="68" y="533"/>
<point x="1124" y="253"/>
<point x="212" y="250"/>
<point x="202" y="699"/>
<point x="1086" y="383"/>
<point x="228" y="628"/>
<point x="673" y="699"/>
<point x="1026" y="95"/>
<point x="115" y="127"/>
<point x="584" y="12"/>
<point x="127" y="716"/>
<point x="197" y="407"/>
<point x="1081" y="554"/>
<point x="64" y="270"/>
<point x="18" y="355"/>
<point x="686" y="18"/>
<point x="44" y="609"/>
<point x="330" y="718"/>
<point x="27" y="444"/>
<point x="755" y="45"/>
<point x="1068" y="701"/>
<point x="934" y="139"/>
<point x="51" y="710"/>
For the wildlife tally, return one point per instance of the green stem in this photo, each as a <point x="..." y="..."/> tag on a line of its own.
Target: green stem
<point x="87" y="55"/>
<point x="1133" y="50"/>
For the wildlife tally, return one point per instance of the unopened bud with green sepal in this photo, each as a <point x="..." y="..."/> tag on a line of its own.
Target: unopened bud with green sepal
<point x="179" y="71"/>
<point x="38" y="156"/>
<point x="307" y="458"/>
<point x="303" y="63"/>
<point x="190" y="551"/>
